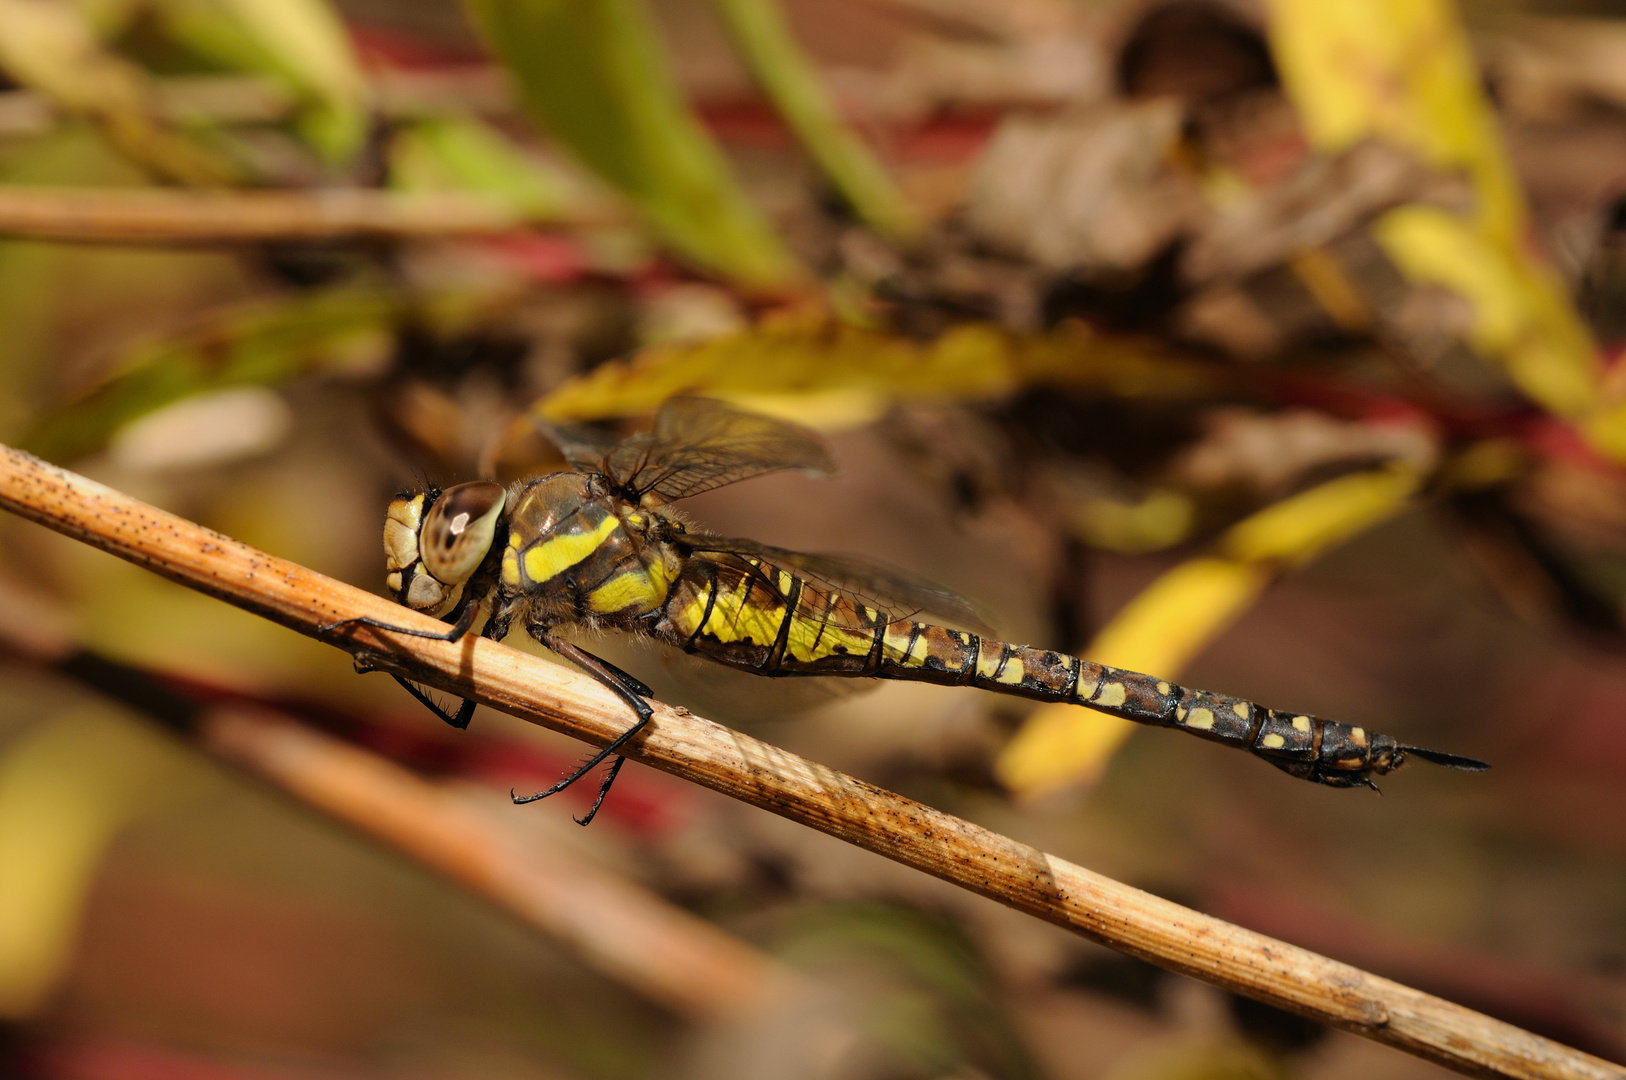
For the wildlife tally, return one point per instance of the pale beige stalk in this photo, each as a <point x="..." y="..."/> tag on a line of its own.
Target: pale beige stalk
<point x="177" y="217"/>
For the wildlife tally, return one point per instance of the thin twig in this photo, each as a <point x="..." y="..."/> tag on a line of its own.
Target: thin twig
<point x="167" y="216"/>
<point x="398" y="94"/>
<point x="977" y="859"/>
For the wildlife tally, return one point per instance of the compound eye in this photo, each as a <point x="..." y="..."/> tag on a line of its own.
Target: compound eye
<point x="459" y="530"/>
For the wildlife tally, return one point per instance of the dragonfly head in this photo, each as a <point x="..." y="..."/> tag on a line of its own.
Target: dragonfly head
<point x="435" y="541"/>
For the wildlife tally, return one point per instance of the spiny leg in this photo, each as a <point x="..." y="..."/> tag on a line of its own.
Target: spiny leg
<point x="459" y="720"/>
<point x="624" y="686"/>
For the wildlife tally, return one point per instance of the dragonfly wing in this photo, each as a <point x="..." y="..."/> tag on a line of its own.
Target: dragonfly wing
<point x="699" y="444"/>
<point x="896" y="593"/>
<point x="584" y="446"/>
<point x="726" y="694"/>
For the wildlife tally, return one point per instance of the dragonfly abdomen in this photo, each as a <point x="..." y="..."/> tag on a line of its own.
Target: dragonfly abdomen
<point x="751" y="614"/>
<point x="1323" y="751"/>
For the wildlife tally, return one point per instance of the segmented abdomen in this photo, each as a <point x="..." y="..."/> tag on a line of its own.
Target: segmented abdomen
<point x="752" y="615"/>
<point x="1323" y="751"/>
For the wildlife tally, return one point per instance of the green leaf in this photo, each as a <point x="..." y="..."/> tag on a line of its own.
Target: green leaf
<point x="759" y="30"/>
<point x="259" y="345"/>
<point x="591" y="72"/>
<point x="457" y="153"/>
<point x="301" y="43"/>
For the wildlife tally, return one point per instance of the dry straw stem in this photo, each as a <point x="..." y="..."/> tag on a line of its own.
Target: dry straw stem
<point x="974" y="858"/>
<point x="614" y="925"/>
<point x="174" y="217"/>
<point x="250" y="99"/>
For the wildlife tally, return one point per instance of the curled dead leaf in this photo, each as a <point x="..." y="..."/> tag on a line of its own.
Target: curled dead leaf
<point x="1094" y="190"/>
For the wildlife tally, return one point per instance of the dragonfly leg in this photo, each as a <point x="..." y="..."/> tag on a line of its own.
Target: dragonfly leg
<point x="624" y="686"/>
<point x="459" y="720"/>
<point x="631" y="682"/>
<point x="465" y="619"/>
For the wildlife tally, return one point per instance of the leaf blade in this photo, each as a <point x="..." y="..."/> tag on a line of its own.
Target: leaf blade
<point x="592" y="74"/>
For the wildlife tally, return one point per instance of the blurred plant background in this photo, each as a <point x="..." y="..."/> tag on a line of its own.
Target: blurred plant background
<point x="1270" y="346"/>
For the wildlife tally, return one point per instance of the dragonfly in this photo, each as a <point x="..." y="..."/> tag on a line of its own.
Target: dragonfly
<point x="599" y="546"/>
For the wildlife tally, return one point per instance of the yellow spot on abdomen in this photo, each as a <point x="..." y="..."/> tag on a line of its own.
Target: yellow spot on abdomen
<point x="896" y="647"/>
<point x="1112" y="694"/>
<point x="1242" y="709"/>
<point x="631" y="591"/>
<point x="1162" y="687"/>
<point x="749" y="624"/>
<point x="809" y="641"/>
<point x="1358" y="736"/>
<point x="1273" y="741"/>
<point x="988" y="660"/>
<point x="687" y="618"/>
<point x="1201" y="719"/>
<point x="725" y="610"/>
<point x="1301" y="724"/>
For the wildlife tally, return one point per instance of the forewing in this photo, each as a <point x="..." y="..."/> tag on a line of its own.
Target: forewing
<point x="895" y="593"/>
<point x="583" y="446"/>
<point x="699" y="444"/>
<point x="723" y="693"/>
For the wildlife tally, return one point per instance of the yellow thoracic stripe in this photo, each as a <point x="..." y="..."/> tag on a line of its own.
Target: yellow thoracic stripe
<point x="550" y="558"/>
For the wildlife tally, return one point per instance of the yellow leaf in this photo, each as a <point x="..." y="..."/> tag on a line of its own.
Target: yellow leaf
<point x="1176" y="616"/>
<point x="1403" y="71"/>
<point x="1605" y="429"/>
<point x="1170" y="620"/>
<point x="1300" y="528"/>
<point x="1521" y="313"/>
<point x="1159" y="630"/>
<point x="1160" y="520"/>
<point x="1060" y="746"/>
<point x="832" y="374"/>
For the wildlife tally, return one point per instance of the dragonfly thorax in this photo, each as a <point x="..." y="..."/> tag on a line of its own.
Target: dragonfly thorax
<point x="576" y="551"/>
